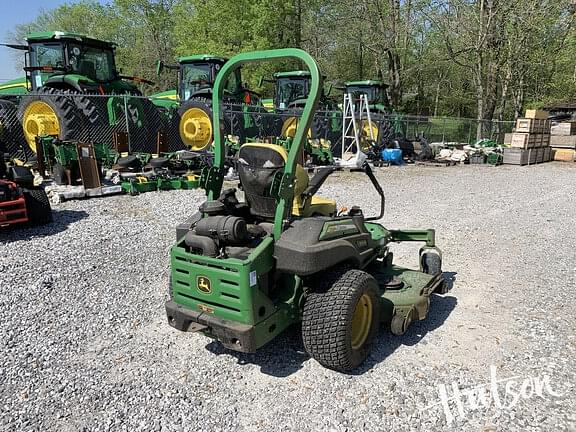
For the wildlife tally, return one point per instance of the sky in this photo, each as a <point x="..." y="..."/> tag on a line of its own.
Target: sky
<point x="16" y="12"/>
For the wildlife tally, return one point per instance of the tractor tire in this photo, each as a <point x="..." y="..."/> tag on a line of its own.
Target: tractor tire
<point x="95" y="110"/>
<point x="49" y="102"/>
<point x="341" y="319"/>
<point x="385" y="132"/>
<point x="195" y="113"/>
<point x="37" y="206"/>
<point x="11" y="134"/>
<point x="431" y="263"/>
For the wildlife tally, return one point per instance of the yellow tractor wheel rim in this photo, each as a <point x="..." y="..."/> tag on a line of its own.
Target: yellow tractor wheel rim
<point x="362" y="321"/>
<point x="39" y="119"/>
<point x="196" y="129"/>
<point x="289" y="128"/>
<point x="365" y="134"/>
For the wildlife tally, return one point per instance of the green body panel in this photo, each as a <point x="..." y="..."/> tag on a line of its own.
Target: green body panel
<point x="17" y="86"/>
<point x="166" y="99"/>
<point x="412" y="295"/>
<point x="237" y="289"/>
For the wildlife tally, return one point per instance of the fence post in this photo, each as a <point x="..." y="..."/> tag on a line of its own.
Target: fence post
<point x="127" y="124"/>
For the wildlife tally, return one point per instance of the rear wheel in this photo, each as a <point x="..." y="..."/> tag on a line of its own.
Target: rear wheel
<point x="37" y="206"/>
<point x="195" y="127"/>
<point x="341" y="319"/>
<point x="49" y="112"/>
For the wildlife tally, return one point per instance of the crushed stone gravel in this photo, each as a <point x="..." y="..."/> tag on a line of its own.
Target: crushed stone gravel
<point x="85" y="344"/>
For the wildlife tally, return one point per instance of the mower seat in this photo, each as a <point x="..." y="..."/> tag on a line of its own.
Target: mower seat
<point x="159" y="162"/>
<point x="259" y="164"/>
<point x="128" y="162"/>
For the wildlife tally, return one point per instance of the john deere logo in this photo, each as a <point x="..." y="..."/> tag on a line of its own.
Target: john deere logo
<point x="203" y="284"/>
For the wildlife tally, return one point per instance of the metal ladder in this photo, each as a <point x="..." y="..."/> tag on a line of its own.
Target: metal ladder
<point x="351" y="132"/>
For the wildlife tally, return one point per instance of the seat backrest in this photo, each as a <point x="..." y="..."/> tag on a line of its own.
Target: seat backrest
<point x="258" y="164"/>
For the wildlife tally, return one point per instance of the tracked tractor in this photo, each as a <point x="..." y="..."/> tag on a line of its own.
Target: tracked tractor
<point x="244" y="270"/>
<point x="189" y="108"/>
<point x="72" y="90"/>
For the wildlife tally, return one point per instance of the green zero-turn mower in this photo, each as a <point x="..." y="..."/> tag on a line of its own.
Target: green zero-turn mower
<point x="189" y="108"/>
<point x="72" y="90"/>
<point x="242" y="272"/>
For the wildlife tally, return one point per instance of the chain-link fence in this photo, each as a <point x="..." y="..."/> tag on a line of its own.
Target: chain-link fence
<point x="128" y="123"/>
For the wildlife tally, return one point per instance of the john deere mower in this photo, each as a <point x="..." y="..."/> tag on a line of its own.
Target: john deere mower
<point x="20" y="201"/>
<point x="65" y="94"/>
<point x="244" y="271"/>
<point x="189" y="108"/>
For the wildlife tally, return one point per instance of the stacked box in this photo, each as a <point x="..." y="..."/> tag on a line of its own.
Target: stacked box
<point x="537" y="114"/>
<point x="563" y="129"/>
<point x="532" y="125"/>
<point x="547" y="154"/>
<point x="565" y="142"/>
<point x="525" y="141"/>
<point x="564" y="155"/>
<point x="517" y="156"/>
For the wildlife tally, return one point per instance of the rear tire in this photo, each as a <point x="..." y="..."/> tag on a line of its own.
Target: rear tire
<point x="37" y="206"/>
<point x="341" y="319"/>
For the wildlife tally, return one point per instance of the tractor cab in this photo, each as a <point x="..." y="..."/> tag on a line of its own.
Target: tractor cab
<point x="375" y="90"/>
<point x="67" y="60"/>
<point x="197" y="74"/>
<point x="291" y="89"/>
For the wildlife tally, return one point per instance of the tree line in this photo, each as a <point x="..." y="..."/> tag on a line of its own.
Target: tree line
<point x="487" y="59"/>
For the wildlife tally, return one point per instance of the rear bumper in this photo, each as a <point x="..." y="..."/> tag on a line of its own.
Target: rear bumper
<point x="233" y="335"/>
<point x="12" y="212"/>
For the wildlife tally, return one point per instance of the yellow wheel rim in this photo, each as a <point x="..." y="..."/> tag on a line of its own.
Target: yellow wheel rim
<point x="196" y="129"/>
<point x="39" y="119"/>
<point x="289" y="128"/>
<point x="365" y="130"/>
<point x="362" y="321"/>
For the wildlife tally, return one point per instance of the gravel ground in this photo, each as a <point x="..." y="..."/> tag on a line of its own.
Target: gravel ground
<point x="85" y="345"/>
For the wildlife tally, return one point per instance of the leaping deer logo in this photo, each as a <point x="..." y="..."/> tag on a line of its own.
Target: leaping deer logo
<point x="203" y="284"/>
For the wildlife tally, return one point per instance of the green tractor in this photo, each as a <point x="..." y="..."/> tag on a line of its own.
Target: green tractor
<point x="64" y="94"/>
<point x="189" y="108"/>
<point x="243" y="272"/>
<point x="385" y="128"/>
<point x="291" y="90"/>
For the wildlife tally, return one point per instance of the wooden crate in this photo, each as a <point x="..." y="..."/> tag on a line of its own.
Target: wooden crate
<point x="545" y="140"/>
<point x="524" y="140"/>
<point x="536" y="114"/>
<point x="564" y="155"/>
<point x="516" y="156"/>
<point x="563" y="129"/>
<point x="539" y="155"/>
<point x="562" y="141"/>
<point x="532" y="125"/>
<point x="547" y="154"/>
<point x="508" y="138"/>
